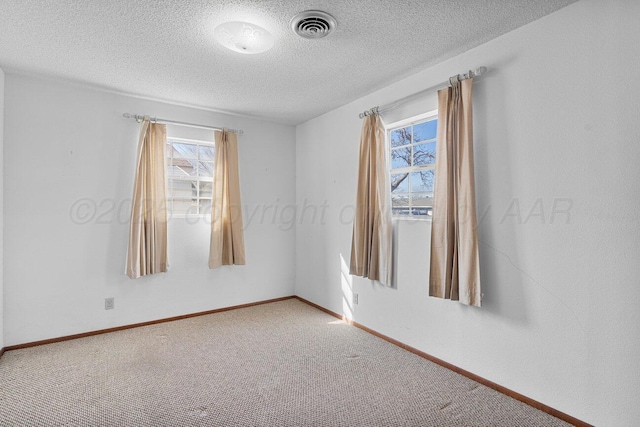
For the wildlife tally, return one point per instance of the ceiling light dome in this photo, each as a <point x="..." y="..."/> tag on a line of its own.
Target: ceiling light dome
<point x="243" y="37"/>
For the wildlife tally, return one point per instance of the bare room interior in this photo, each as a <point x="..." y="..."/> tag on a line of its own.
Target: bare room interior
<point x="296" y="307"/>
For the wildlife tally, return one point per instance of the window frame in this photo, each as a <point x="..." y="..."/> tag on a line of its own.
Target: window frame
<point x="197" y="178"/>
<point x="410" y="121"/>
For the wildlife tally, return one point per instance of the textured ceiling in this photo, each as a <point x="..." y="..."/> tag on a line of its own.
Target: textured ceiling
<point x="164" y="49"/>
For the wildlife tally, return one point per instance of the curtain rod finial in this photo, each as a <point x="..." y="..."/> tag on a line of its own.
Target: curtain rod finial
<point x="480" y="71"/>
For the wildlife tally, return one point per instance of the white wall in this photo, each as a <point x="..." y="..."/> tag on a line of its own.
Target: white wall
<point x="1" y="209"/>
<point x="70" y="160"/>
<point x="556" y="122"/>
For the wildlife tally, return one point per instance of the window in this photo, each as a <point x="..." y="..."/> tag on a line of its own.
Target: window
<point x="412" y="144"/>
<point x="189" y="176"/>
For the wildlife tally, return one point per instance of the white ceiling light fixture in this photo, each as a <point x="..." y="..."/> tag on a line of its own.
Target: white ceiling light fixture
<point x="313" y="24"/>
<point x="243" y="37"/>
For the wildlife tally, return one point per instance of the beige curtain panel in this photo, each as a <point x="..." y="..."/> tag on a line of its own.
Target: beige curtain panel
<point x="454" y="270"/>
<point x="372" y="234"/>
<point x="227" y="235"/>
<point x="147" y="251"/>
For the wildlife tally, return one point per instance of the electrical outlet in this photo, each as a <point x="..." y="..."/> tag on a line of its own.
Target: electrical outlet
<point x="355" y="299"/>
<point x="109" y="304"/>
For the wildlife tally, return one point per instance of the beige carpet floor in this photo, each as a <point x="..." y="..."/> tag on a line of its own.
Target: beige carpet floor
<point x="277" y="364"/>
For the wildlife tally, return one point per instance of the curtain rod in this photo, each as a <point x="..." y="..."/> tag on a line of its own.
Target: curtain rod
<point x="138" y="118"/>
<point x="377" y="110"/>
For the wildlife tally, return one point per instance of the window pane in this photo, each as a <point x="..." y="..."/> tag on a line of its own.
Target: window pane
<point x="422" y="204"/>
<point x="205" y="169"/>
<point x="401" y="137"/>
<point x="426" y="130"/>
<point x="182" y="167"/>
<point x="184" y="151"/>
<point x="400" y="183"/>
<point x="185" y="207"/>
<point x="422" y="181"/>
<point x="399" y="204"/>
<point x="206" y="152"/>
<point x="422" y="199"/>
<point x="205" y="206"/>
<point x="424" y="154"/>
<point x="183" y="189"/>
<point x="206" y="189"/>
<point x="401" y="158"/>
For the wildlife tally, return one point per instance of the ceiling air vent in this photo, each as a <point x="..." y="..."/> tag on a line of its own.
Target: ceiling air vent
<point x="313" y="24"/>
